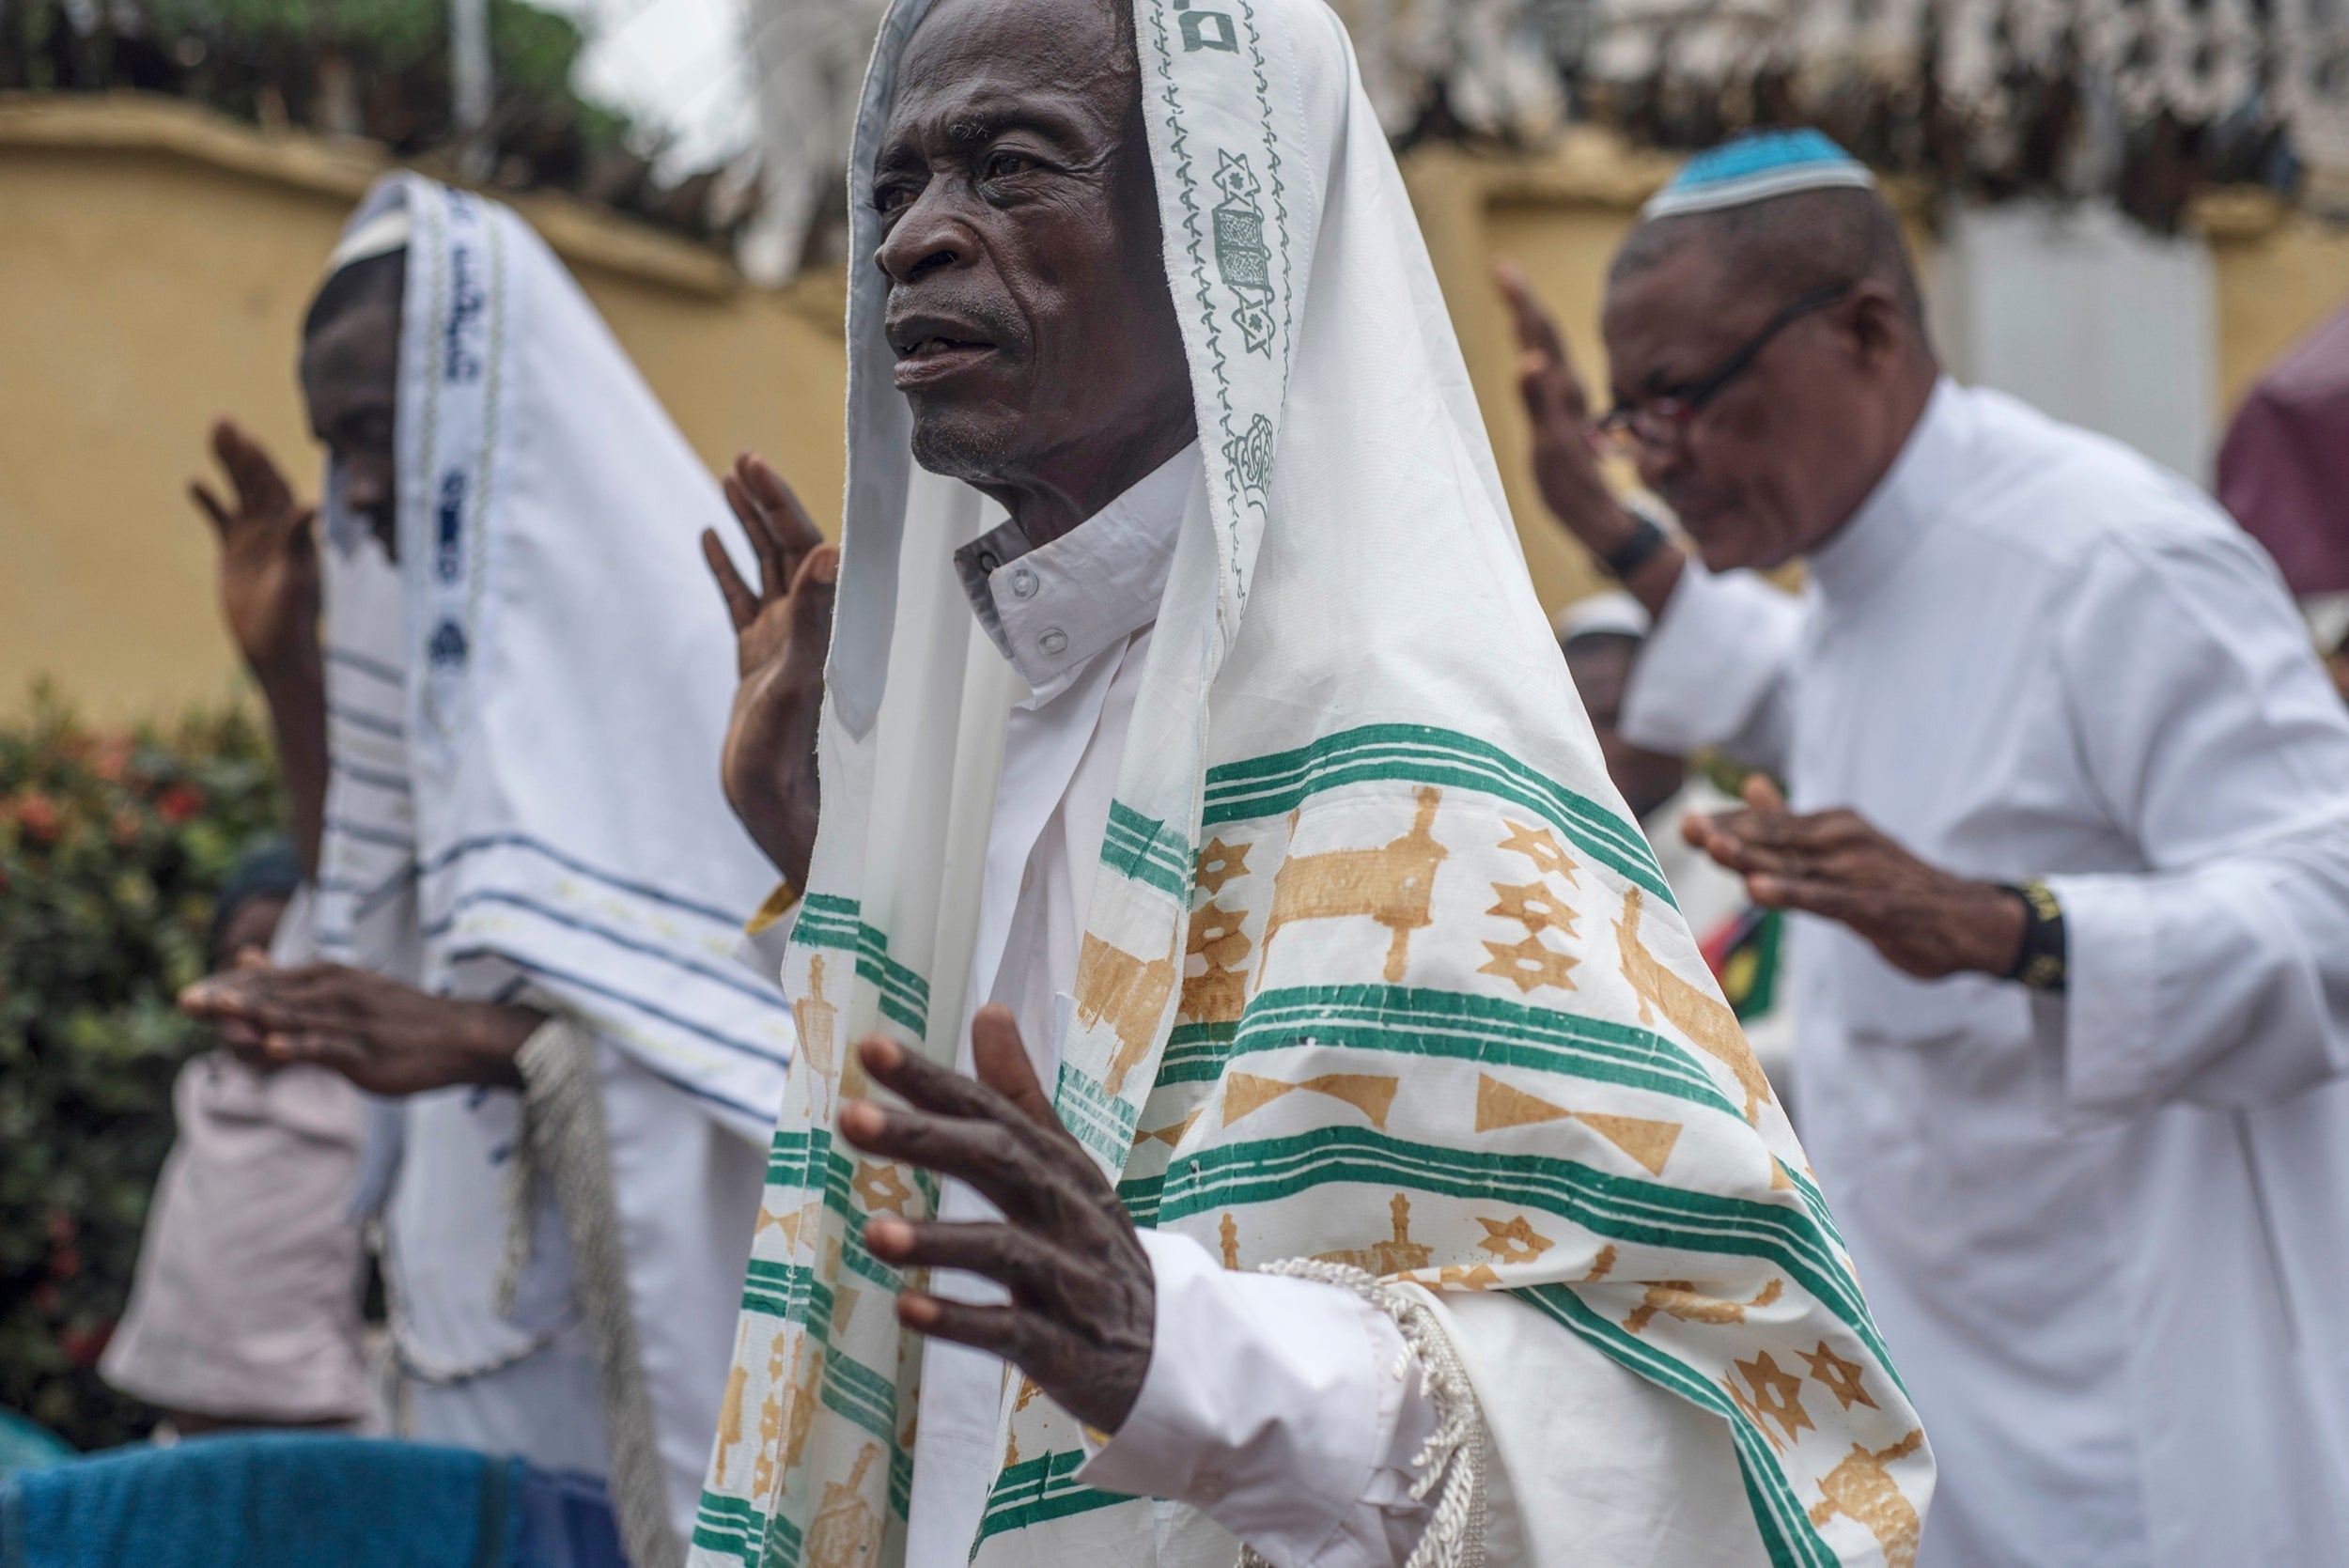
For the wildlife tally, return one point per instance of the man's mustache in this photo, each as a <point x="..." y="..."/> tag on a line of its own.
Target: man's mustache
<point x="977" y="318"/>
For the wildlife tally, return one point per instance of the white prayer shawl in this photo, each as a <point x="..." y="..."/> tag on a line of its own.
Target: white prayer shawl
<point x="525" y="716"/>
<point x="1378" y="968"/>
<point x="566" y="674"/>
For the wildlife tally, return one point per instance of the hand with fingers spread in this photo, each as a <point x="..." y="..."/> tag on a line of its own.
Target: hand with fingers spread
<point x="1080" y="1318"/>
<point x="1565" y="442"/>
<point x="269" y="556"/>
<point x="269" y="589"/>
<point x="385" y="1038"/>
<point x="1924" y="921"/>
<point x="781" y="633"/>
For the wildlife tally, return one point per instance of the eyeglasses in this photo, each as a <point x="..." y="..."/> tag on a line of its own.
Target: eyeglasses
<point x="1662" y="419"/>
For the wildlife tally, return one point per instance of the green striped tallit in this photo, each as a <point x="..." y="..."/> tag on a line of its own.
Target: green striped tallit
<point x="1376" y="968"/>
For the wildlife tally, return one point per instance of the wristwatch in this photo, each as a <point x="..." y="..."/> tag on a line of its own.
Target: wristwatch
<point x="1647" y="537"/>
<point x="2039" y="963"/>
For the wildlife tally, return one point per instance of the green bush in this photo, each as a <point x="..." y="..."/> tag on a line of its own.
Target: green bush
<point x="113" y="843"/>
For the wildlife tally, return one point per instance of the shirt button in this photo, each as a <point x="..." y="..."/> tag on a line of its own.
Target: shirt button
<point x="1210" y="1486"/>
<point x="1054" y="642"/>
<point x="988" y="561"/>
<point x="1024" y="584"/>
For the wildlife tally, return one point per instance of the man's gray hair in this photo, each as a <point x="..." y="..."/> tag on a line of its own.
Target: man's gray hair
<point x="1788" y="245"/>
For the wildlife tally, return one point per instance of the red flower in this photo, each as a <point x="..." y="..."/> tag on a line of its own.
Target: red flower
<point x="38" y="815"/>
<point x="181" y="802"/>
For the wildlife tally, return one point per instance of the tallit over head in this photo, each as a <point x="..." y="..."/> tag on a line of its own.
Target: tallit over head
<point x="1377" y="965"/>
<point x="526" y="712"/>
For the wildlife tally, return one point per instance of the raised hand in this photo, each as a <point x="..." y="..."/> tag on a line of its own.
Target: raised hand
<point x="269" y="556"/>
<point x="781" y="633"/>
<point x="1083" y="1300"/>
<point x="1565" y="444"/>
<point x="1565" y="458"/>
<point x="1924" y="921"/>
<point x="385" y="1038"/>
<point x="269" y="591"/>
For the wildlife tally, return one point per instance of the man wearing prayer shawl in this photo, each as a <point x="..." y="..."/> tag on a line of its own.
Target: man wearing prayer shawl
<point x="1206" y="758"/>
<point x="501" y="751"/>
<point x="2067" y="821"/>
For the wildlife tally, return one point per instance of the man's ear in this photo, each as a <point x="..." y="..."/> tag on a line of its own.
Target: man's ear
<point x="1877" y="325"/>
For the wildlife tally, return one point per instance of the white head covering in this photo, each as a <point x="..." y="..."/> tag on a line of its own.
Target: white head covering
<point x="1754" y="167"/>
<point x="380" y="235"/>
<point x="527" y="711"/>
<point x="1377" y="965"/>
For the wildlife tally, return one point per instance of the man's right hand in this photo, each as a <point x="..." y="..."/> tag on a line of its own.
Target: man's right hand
<point x="269" y="558"/>
<point x="1566" y="444"/>
<point x="270" y="587"/>
<point x="781" y="633"/>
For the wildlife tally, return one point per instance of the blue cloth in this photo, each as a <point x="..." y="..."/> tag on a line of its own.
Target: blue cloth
<point x="1756" y="165"/>
<point x="297" y="1501"/>
<point x="26" y="1445"/>
<point x="565" y="1521"/>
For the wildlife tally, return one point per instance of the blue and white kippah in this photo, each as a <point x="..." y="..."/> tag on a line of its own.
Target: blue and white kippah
<point x="1755" y="166"/>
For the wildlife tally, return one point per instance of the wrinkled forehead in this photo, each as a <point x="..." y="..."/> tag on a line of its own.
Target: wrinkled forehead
<point x="972" y="63"/>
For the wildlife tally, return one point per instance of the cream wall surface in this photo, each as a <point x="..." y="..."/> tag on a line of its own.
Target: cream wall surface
<point x="154" y="265"/>
<point x="155" y="259"/>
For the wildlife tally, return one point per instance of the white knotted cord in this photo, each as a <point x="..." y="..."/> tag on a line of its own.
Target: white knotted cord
<point x="1454" y="1454"/>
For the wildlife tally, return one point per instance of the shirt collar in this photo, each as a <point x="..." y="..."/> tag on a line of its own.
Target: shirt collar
<point x="1049" y="607"/>
<point x="1920" y="481"/>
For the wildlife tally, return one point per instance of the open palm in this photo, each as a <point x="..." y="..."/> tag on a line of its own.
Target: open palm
<point x="269" y="556"/>
<point x="781" y="632"/>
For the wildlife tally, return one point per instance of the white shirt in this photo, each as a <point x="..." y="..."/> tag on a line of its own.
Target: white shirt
<point x="2106" y="1235"/>
<point x="1281" y="1408"/>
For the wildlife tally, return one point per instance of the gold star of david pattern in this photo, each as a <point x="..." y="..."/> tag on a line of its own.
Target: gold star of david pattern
<point x="1401" y="978"/>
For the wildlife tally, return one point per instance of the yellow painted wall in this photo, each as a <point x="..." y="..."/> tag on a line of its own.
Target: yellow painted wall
<point x="154" y="262"/>
<point x="2279" y="277"/>
<point x="154" y="266"/>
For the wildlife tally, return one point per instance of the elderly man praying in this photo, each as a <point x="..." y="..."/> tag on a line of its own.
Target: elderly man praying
<point x="2069" y="829"/>
<point x="1345" y="1149"/>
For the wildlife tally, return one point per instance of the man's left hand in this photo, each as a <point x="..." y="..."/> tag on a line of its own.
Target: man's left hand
<point x="1924" y="921"/>
<point x="1080" y="1318"/>
<point x="385" y="1038"/>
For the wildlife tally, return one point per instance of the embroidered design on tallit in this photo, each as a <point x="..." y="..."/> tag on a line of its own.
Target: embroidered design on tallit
<point x="1241" y="255"/>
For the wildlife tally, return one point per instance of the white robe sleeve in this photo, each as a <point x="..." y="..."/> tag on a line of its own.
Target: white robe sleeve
<point x="1288" y="1411"/>
<point x="1716" y="671"/>
<point x="2219" y="973"/>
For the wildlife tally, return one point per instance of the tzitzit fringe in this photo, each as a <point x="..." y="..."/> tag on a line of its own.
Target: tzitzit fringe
<point x="563" y="1144"/>
<point x="1454" y="1454"/>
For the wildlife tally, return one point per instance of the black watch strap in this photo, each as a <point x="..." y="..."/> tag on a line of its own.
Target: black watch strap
<point x="2040" y="962"/>
<point x="1646" y="538"/>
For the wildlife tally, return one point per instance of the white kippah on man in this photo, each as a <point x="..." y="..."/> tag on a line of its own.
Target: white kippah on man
<point x="2066" y="828"/>
<point x="1313" y="1133"/>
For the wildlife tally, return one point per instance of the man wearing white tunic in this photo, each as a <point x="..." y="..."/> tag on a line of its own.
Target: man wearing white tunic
<point x="500" y="697"/>
<point x="2068" y="815"/>
<point x="1192" y="743"/>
